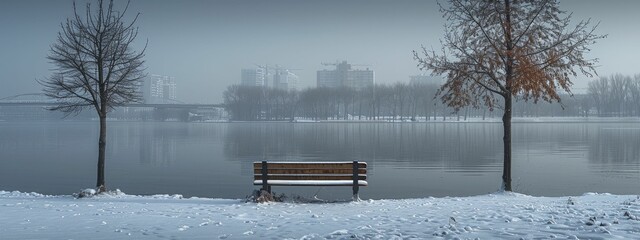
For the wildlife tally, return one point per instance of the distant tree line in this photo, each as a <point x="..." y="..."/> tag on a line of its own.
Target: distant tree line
<point x="411" y="102"/>
<point x="615" y="96"/>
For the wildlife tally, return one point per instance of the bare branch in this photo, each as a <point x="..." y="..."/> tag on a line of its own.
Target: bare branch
<point x="525" y="49"/>
<point x="96" y="66"/>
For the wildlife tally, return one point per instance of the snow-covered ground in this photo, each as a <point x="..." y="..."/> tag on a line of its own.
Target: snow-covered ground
<point x="495" y="216"/>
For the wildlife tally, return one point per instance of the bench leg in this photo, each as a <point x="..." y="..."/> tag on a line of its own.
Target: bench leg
<point x="356" y="185"/>
<point x="356" y="197"/>
<point x="265" y="186"/>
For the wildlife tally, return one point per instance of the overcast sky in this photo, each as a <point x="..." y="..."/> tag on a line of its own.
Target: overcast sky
<point x="204" y="44"/>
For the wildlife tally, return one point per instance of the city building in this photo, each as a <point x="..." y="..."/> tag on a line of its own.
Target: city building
<point x="328" y="78"/>
<point x="253" y="77"/>
<point x="284" y="79"/>
<point x="344" y="76"/>
<point x="159" y="89"/>
<point x="262" y="76"/>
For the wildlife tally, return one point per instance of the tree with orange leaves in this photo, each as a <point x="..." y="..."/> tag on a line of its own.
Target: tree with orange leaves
<point x="495" y="51"/>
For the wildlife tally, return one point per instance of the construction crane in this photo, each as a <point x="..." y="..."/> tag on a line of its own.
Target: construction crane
<point x="266" y="67"/>
<point x="277" y="67"/>
<point x="343" y="63"/>
<point x="274" y="71"/>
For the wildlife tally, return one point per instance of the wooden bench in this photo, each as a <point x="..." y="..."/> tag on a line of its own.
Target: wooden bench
<point x="269" y="174"/>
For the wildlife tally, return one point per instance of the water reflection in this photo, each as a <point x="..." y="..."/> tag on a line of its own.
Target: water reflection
<point x="614" y="154"/>
<point x="615" y="145"/>
<point x="172" y="157"/>
<point x="158" y="145"/>
<point x="400" y="145"/>
<point x="405" y="159"/>
<point x="439" y="159"/>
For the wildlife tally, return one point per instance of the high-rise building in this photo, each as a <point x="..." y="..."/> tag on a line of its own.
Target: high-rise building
<point x="284" y="79"/>
<point x="159" y="89"/>
<point x="328" y="78"/>
<point x="344" y="76"/>
<point x="252" y="77"/>
<point x="267" y="76"/>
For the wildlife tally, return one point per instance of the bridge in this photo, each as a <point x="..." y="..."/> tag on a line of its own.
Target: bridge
<point x="17" y="105"/>
<point x="39" y="99"/>
<point x="138" y="105"/>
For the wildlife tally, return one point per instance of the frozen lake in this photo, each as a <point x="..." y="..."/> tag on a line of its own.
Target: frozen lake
<point x="406" y="160"/>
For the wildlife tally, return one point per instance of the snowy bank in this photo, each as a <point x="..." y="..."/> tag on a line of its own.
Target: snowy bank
<point x="494" y="216"/>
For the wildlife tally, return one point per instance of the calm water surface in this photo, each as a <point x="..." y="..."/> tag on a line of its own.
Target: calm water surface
<point x="405" y="159"/>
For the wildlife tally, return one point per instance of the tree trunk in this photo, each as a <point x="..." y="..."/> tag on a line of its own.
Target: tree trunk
<point x="360" y="110"/>
<point x="102" y="145"/>
<point x="506" y="123"/>
<point x="466" y="113"/>
<point x="506" y="118"/>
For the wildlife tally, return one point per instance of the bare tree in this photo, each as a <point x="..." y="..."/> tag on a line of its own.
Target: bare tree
<point x="96" y="67"/>
<point x="599" y="90"/>
<point x="619" y="93"/>
<point x="634" y="94"/>
<point x="500" y="50"/>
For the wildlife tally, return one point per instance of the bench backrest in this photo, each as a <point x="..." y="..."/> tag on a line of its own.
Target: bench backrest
<point x="309" y="171"/>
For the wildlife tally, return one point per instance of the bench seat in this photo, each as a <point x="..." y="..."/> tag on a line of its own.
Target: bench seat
<point x="311" y="182"/>
<point x="353" y="174"/>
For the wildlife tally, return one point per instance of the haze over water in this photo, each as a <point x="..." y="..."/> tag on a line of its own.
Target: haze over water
<point x="406" y="160"/>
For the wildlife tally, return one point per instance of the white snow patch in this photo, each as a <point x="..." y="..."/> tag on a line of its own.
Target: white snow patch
<point x="500" y="215"/>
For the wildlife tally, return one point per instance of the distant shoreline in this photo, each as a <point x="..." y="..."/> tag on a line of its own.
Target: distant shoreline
<point x="405" y="121"/>
<point x="473" y="120"/>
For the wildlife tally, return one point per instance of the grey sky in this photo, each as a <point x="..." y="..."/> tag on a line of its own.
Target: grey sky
<point x="204" y="44"/>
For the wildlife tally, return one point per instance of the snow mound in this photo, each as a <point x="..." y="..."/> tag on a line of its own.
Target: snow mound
<point x="500" y="215"/>
<point x="17" y="194"/>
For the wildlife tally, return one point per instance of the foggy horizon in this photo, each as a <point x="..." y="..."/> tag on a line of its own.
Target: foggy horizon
<point x="205" y="44"/>
<point x="187" y="141"/>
